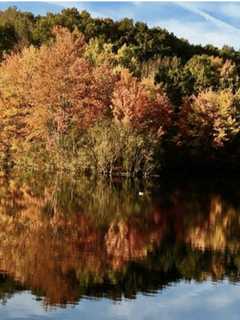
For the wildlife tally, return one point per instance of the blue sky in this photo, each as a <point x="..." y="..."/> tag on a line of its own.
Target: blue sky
<point x="216" y="23"/>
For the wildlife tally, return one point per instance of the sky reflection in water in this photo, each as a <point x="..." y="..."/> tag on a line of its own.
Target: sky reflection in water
<point x="180" y="301"/>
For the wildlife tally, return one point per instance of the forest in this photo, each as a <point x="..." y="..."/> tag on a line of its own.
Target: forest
<point x="98" y="96"/>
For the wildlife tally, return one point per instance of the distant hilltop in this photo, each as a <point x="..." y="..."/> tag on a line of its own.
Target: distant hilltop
<point x="25" y="27"/>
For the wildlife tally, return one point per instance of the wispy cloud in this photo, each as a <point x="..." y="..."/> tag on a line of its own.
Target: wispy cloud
<point x="207" y="30"/>
<point x="217" y="22"/>
<point x="214" y="23"/>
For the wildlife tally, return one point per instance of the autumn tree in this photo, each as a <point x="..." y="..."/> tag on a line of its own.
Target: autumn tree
<point x="209" y="120"/>
<point x="15" y="87"/>
<point x="67" y="85"/>
<point x="229" y="76"/>
<point x="140" y="105"/>
<point x="50" y="90"/>
<point x="57" y="78"/>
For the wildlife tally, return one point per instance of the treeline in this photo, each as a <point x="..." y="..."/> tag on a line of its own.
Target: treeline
<point x="113" y="97"/>
<point x="21" y="28"/>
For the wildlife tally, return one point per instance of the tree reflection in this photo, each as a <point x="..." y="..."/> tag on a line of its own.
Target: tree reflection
<point x="64" y="238"/>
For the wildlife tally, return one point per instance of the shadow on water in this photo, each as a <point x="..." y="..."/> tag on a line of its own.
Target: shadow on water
<point x="65" y="238"/>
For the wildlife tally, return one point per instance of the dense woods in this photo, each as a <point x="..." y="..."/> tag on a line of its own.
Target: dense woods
<point x="104" y="96"/>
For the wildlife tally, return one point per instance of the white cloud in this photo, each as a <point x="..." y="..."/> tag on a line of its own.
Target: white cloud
<point x="231" y="10"/>
<point x="200" y="32"/>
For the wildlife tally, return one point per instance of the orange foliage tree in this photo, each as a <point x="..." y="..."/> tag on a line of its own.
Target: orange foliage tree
<point x="140" y="105"/>
<point x="53" y="88"/>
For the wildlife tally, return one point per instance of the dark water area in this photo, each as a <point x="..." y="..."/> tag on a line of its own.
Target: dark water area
<point x="168" y="248"/>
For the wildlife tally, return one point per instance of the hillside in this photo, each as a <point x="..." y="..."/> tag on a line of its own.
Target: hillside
<point x="108" y="97"/>
<point x="19" y="27"/>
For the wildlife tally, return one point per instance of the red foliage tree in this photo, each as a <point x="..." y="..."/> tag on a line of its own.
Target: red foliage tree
<point x="141" y="105"/>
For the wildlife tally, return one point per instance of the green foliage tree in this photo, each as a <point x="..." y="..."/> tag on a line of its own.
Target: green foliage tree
<point x="204" y="72"/>
<point x="8" y="39"/>
<point x="21" y="22"/>
<point x="176" y="80"/>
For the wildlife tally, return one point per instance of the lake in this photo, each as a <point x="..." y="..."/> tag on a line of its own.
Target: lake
<point x="167" y="248"/>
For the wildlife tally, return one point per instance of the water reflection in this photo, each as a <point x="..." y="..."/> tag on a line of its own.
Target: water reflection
<point x="66" y="239"/>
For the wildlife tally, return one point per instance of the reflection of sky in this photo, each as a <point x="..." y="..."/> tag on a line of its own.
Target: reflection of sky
<point x="216" y="23"/>
<point x="185" y="300"/>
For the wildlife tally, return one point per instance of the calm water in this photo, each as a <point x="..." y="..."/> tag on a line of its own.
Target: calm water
<point x="86" y="249"/>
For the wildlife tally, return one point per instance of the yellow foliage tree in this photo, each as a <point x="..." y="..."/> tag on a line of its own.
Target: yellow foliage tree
<point x="209" y="119"/>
